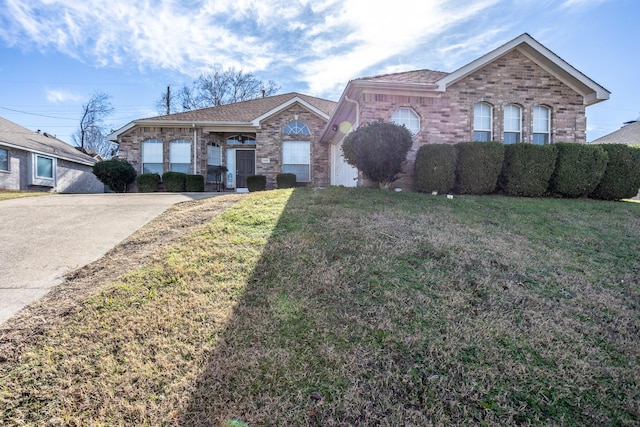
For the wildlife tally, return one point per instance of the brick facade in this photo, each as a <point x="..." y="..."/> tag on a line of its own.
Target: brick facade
<point x="447" y="117"/>
<point x="268" y="146"/>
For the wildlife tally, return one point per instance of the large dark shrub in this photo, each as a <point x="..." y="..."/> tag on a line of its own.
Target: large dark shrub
<point x="148" y="182"/>
<point x="621" y="178"/>
<point x="115" y="173"/>
<point x="435" y="168"/>
<point x="478" y="168"/>
<point x="378" y="150"/>
<point x="256" y="183"/>
<point x="175" y="181"/>
<point x="527" y="169"/>
<point x="579" y="169"/>
<point x="286" y="180"/>
<point x="194" y="183"/>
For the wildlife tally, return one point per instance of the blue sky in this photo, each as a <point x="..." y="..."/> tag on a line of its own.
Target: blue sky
<point x="55" y="53"/>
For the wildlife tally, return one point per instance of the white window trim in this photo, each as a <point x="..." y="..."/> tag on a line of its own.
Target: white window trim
<point x="490" y="128"/>
<point x="308" y="159"/>
<point x="547" y="118"/>
<point x="178" y="157"/>
<point x="161" y="162"/>
<point x="44" y="181"/>
<point x="404" y="120"/>
<point x="504" y="125"/>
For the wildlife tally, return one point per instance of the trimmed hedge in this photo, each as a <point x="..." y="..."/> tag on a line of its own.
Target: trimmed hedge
<point x="435" y="168"/>
<point x="286" y="180"/>
<point x="621" y="179"/>
<point x="579" y="169"/>
<point x="256" y="183"/>
<point x="194" y="183"/>
<point x="174" y="181"/>
<point x="527" y="169"/>
<point x="115" y="173"/>
<point x="148" y="182"/>
<point x="478" y="166"/>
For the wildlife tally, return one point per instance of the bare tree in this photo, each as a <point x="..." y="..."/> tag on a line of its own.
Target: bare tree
<point x="91" y="136"/>
<point x="216" y="88"/>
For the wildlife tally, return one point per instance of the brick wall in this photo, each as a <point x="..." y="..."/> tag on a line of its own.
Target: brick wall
<point x="447" y="117"/>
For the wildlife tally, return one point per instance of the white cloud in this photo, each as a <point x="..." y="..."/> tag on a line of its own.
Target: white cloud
<point x="61" y="95"/>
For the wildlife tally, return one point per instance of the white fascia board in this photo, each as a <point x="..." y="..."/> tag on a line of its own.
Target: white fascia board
<point x="45" y="154"/>
<point x="287" y="104"/>
<point x="113" y="136"/>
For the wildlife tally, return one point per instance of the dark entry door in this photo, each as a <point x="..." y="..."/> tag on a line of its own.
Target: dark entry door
<point x="245" y="166"/>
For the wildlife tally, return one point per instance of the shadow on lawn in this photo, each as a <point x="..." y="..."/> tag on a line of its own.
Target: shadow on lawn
<point x="257" y="371"/>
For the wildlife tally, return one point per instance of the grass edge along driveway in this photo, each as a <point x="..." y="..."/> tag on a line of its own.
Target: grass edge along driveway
<point x="357" y="307"/>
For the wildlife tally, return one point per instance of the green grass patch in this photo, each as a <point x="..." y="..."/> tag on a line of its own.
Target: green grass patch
<point x="7" y="195"/>
<point x="344" y="307"/>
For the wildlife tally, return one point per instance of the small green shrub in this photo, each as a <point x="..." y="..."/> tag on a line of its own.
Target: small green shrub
<point x="478" y="167"/>
<point x="115" y="173"/>
<point x="148" y="182"/>
<point x="256" y="183"/>
<point x="286" y="180"/>
<point x="621" y="179"/>
<point x="194" y="183"/>
<point x="435" y="168"/>
<point x="527" y="169"/>
<point x="579" y="169"/>
<point x="174" y="181"/>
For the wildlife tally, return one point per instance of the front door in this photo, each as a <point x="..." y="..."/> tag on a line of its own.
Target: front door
<point x="245" y="166"/>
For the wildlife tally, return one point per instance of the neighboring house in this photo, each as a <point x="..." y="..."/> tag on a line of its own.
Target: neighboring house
<point x="628" y="134"/>
<point x="37" y="161"/>
<point x="519" y="92"/>
<point x="264" y="136"/>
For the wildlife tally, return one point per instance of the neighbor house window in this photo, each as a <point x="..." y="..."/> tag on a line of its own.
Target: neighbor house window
<point x="512" y="124"/>
<point x="152" y="156"/>
<point x="296" y="159"/>
<point x="44" y="167"/>
<point x="408" y="118"/>
<point x="214" y="161"/>
<point x="296" y="128"/>
<point x="482" y="122"/>
<point x="541" y="125"/>
<point x="4" y="159"/>
<point x="180" y="156"/>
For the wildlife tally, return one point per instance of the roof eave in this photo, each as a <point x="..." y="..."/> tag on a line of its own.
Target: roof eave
<point x="44" y="153"/>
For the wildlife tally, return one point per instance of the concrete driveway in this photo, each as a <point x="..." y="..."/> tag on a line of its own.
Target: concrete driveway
<point x="44" y="238"/>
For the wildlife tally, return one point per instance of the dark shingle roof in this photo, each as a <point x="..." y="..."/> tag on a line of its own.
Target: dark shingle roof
<point x="415" y="76"/>
<point x="17" y="136"/>
<point x="629" y="134"/>
<point x="246" y="111"/>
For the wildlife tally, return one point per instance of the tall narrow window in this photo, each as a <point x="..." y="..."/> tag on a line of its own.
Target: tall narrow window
<point x="4" y="159"/>
<point x="180" y="156"/>
<point x="408" y="118"/>
<point x="214" y="163"/>
<point x="152" y="156"/>
<point x="512" y="124"/>
<point x="482" y="122"/>
<point x="296" y="159"/>
<point x="541" y="125"/>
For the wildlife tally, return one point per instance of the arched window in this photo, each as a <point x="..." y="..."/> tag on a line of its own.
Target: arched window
<point x="180" y="156"/>
<point x="541" y="125"/>
<point x="241" y="140"/>
<point x="152" y="156"/>
<point x="296" y="128"/>
<point x="408" y="118"/>
<point x="512" y="124"/>
<point x="482" y="122"/>
<point x="214" y="162"/>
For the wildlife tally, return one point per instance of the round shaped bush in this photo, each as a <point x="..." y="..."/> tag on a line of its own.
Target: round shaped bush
<point x="115" y="173"/>
<point x="527" y="169"/>
<point x="479" y="165"/>
<point x="435" y="168"/>
<point x="579" y="169"/>
<point x="621" y="179"/>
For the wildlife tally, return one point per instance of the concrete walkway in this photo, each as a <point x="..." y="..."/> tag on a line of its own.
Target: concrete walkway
<point x="44" y="238"/>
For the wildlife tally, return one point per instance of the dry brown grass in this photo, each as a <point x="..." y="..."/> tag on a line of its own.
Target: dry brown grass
<point x="352" y="307"/>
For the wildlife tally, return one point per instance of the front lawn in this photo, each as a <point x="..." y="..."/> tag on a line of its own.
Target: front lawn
<point x="344" y="307"/>
<point x="6" y="195"/>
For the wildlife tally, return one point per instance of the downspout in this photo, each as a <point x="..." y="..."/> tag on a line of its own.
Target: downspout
<point x="353" y="101"/>
<point x="195" y="149"/>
